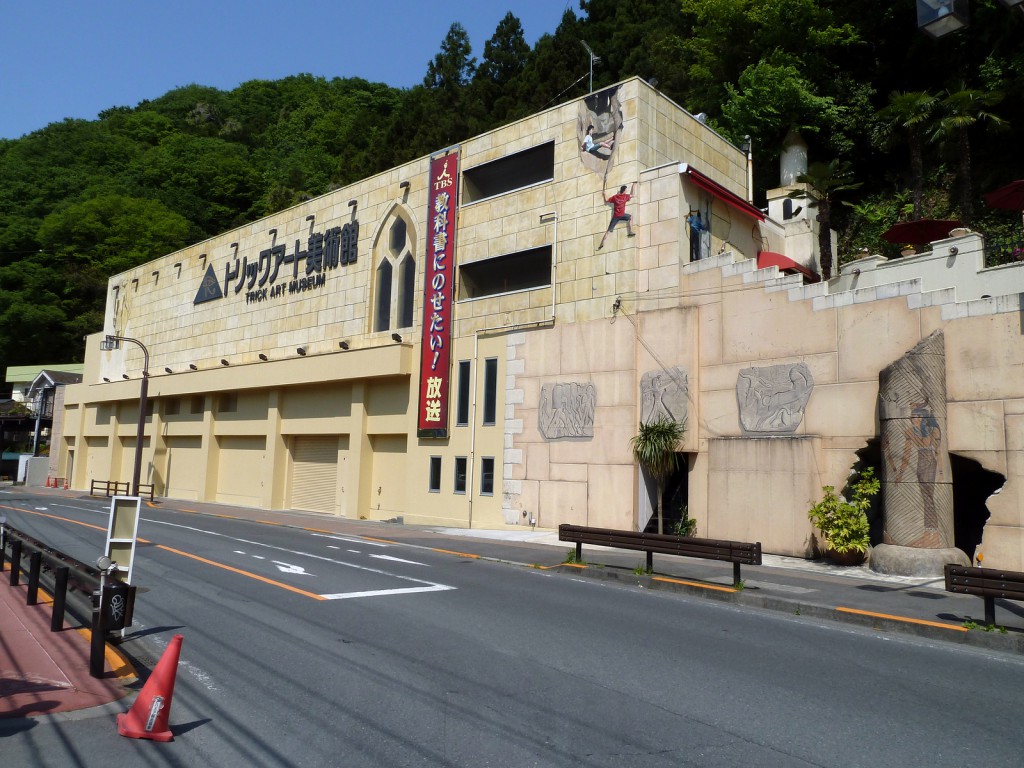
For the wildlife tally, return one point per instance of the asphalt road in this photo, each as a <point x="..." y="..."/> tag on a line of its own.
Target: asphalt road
<point x="302" y="649"/>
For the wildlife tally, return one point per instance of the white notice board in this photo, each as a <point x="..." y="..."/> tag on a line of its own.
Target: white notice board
<point x="122" y="532"/>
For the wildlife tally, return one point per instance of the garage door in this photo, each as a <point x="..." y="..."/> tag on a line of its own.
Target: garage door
<point x="315" y="473"/>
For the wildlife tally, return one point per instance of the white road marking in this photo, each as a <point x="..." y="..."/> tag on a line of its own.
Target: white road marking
<point x="429" y="586"/>
<point x="383" y="592"/>
<point x="286" y="568"/>
<point x="398" y="560"/>
<point x="364" y="542"/>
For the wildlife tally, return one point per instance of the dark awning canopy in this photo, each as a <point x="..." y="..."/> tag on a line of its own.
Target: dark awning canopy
<point x="717" y="190"/>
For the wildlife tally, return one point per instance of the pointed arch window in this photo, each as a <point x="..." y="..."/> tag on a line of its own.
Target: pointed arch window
<point x="395" y="278"/>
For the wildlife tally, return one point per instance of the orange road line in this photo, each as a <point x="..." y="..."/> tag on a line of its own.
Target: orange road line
<point x="57" y="517"/>
<point x="694" y="584"/>
<point x="457" y="554"/>
<point x="938" y="624"/>
<point x="371" y="538"/>
<point x="251" y="575"/>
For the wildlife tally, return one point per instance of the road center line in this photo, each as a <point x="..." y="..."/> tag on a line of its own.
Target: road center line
<point x="307" y="554"/>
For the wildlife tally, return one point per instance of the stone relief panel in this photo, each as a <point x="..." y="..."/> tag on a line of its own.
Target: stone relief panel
<point x="664" y="396"/>
<point x="772" y="399"/>
<point x="567" y="411"/>
<point x="917" y="481"/>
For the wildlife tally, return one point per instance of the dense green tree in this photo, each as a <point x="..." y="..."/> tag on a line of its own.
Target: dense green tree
<point x="960" y="110"/>
<point x="496" y="87"/>
<point x="912" y="111"/>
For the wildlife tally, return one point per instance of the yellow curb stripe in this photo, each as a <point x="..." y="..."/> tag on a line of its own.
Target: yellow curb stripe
<point x="120" y="667"/>
<point x="697" y="584"/>
<point x="371" y="538"/>
<point x="457" y="554"/>
<point x="239" y="571"/>
<point x="570" y="565"/>
<point x="923" y="622"/>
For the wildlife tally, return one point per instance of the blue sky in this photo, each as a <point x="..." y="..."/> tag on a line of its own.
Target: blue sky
<point x="74" y="58"/>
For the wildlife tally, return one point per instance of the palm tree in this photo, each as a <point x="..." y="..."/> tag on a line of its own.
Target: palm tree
<point x="654" y="449"/>
<point x="827" y="180"/>
<point x="962" y="108"/>
<point x="912" y="111"/>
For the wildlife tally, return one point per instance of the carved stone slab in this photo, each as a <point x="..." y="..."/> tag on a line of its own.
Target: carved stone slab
<point x="772" y="399"/>
<point x="567" y="411"/>
<point x="664" y="395"/>
<point x="917" y="489"/>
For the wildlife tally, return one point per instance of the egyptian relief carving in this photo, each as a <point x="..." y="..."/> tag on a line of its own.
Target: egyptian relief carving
<point x="772" y="399"/>
<point x="917" y="484"/>
<point x="663" y="396"/>
<point x="567" y="411"/>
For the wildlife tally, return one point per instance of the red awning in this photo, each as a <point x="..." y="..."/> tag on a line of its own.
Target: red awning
<point x="770" y="259"/>
<point x="717" y="190"/>
<point x="920" y="231"/>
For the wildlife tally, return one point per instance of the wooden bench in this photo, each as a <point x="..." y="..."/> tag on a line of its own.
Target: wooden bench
<point x="735" y="552"/>
<point x="987" y="583"/>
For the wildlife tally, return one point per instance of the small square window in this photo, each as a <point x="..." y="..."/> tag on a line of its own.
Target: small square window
<point x="172" y="407"/>
<point x="227" y="403"/>
<point x="435" y="474"/>
<point x="198" y="404"/>
<point x="487" y="476"/>
<point x="460" y="474"/>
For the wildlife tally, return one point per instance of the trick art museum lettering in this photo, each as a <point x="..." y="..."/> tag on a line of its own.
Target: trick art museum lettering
<point x="275" y="271"/>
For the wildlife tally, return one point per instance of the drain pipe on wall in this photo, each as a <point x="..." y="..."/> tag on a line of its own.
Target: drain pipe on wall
<point x="551" y="216"/>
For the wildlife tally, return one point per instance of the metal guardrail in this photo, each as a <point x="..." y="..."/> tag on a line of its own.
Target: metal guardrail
<point x="69" y="573"/>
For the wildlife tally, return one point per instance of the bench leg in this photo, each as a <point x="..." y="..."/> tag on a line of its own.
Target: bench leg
<point x="736" y="574"/>
<point x="579" y="551"/>
<point x="990" y="610"/>
<point x="650" y="562"/>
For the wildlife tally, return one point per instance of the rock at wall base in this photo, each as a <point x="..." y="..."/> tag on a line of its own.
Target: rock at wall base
<point x="914" y="561"/>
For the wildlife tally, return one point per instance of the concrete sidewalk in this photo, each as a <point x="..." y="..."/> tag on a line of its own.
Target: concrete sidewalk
<point x="43" y="672"/>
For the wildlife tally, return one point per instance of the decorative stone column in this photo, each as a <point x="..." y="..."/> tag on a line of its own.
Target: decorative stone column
<point x="917" y="482"/>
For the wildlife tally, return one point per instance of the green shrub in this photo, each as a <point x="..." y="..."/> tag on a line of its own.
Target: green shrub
<point x="845" y="523"/>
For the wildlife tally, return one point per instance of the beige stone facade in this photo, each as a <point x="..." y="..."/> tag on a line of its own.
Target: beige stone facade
<point x="240" y="415"/>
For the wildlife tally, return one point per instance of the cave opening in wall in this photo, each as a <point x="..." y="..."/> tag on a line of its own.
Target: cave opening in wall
<point x="972" y="486"/>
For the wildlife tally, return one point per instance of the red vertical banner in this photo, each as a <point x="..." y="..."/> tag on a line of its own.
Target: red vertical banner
<point x="438" y="296"/>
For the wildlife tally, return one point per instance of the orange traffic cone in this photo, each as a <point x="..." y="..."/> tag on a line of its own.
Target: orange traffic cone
<point x="48" y="484"/>
<point x="147" y="719"/>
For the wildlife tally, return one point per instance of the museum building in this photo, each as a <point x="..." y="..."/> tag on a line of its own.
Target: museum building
<point x="450" y="343"/>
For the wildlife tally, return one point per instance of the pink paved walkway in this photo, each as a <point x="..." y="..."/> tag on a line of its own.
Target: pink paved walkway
<point x="44" y="672"/>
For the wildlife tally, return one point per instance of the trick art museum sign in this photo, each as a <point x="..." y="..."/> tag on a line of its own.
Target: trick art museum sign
<point x="278" y="271"/>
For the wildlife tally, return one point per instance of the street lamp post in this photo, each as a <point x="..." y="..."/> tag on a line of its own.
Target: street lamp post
<point x="114" y="342"/>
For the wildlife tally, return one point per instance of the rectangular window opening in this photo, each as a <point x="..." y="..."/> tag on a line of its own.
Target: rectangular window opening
<point x="435" y="474"/>
<point x="487" y="476"/>
<point x="509" y="173"/>
<point x="503" y="274"/>
<point x="490" y="391"/>
<point x="462" y="409"/>
<point x="460" y="474"/>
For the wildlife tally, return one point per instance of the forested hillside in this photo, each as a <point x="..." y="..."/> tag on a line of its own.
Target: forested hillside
<point x="931" y="122"/>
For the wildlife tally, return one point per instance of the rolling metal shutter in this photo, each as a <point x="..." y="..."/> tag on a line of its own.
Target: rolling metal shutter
<point x="315" y="473"/>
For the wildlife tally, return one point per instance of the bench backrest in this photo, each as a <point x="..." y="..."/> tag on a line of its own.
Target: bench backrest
<point x="747" y="553"/>
<point x="986" y="582"/>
